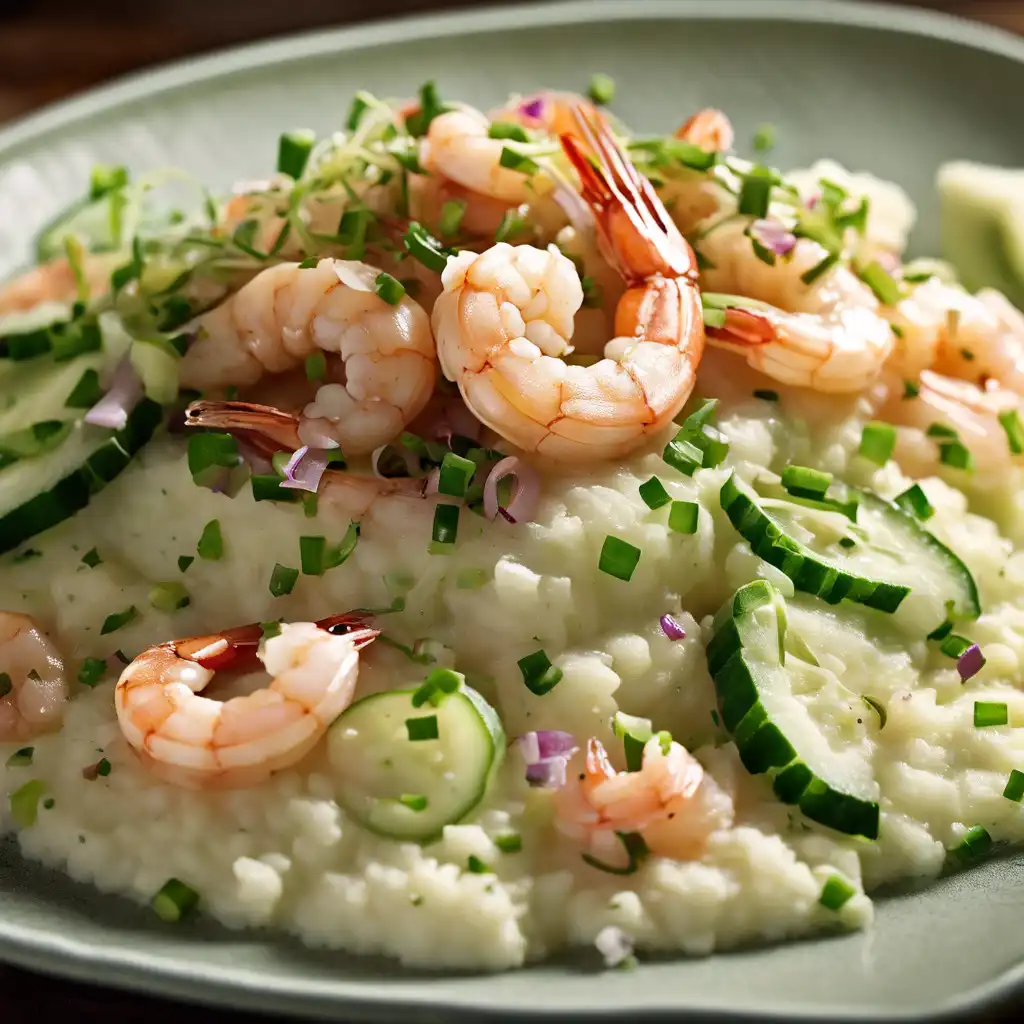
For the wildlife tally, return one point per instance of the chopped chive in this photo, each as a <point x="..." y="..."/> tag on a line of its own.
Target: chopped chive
<point x="293" y="149"/>
<point x="268" y="487"/>
<point x="86" y="393"/>
<point x="755" y="192"/>
<point x="877" y="442"/>
<point x="820" y="269"/>
<point x="454" y="475"/>
<point x="764" y="138"/>
<point x="446" y="524"/>
<point x="424" y="728"/>
<point x="209" y="452"/>
<point x="911" y="389"/>
<point x="539" y="675"/>
<point x="683" y="516"/>
<point x="355" y="112"/>
<point x="184" y="561"/>
<point x="941" y="430"/>
<point x="618" y="558"/>
<point x="118" y="620"/>
<point x="169" y="597"/>
<point x="92" y="558"/>
<point x="975" y="844"/>
<point x="316" y="556"/>
<point x="452" y="213"/>
<point x="502" y="130"/>
<point x="437" y="686"/>
<point x="514" y="161"/>
<point x="174" y="901"/>
<point x="471" y="579"/>
<point x="836" y="892"/>
<point x="23" y="757"/>
<point x="1014" y="789"/>
<point x="430" y="106"/>
<point x="282" y="580"/>
<point x="953" y="645"/>
<point x="941" y="632"/>
<point x="990" y="712"/>
<point x="92" y="671"/>
<point x="106" y="178"/>
<point x="897" y="331"/>
<point x="879" y="709"/>
<point x="767" y="396"/>
<point x="1010" y="422"/>
<point x="103" y="767"/>
<point x="475" y="866"/>
<point x="309" y="263"/>
<point x="270" y="629"/>
<point x="957" y="455"/>
<point x="512" y="224"/>
<point x="25" y="802"/>
<point x="634" y="733"/>
<point x="653" y="493"/>
<point x="211" y="543"/>
<point x="6" y="685"/>
<point x="421" y="245"/>
<point x="413" y="801"/>
<point x="512" y="842"/>
<point x="390" y="289"/>
<point x="49" y="803"/>
<point x="310" y="504"/>
<point x="914" y="501"/>
<point x="680" y="453"/>
<point x="881" y="282"/>
<point x="601" y="89"/>
<point x="316" y="366"/>
<point x="804" y="482"/>
<point x="636" y="849"/>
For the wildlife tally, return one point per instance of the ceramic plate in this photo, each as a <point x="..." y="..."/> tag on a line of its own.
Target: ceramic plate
<point x="878" y="88"/>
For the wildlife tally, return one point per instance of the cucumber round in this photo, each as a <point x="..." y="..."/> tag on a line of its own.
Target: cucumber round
<point x="410" y="789"/>
<point x="886" y="559"/>
<point x="818" y="761"/>
<point x="91" y="220"/>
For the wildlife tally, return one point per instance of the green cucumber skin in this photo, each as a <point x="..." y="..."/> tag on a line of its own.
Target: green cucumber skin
<point x="73" y="493"/>
<point x="816" y="575"/>
<point x="761" y="744"/>
<point x="491" y="724"/>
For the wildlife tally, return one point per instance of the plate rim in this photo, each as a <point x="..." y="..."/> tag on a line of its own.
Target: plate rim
<point x="55" y="955"/>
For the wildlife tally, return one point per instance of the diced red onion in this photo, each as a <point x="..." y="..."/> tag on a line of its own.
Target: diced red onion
<point x="547" y="774"/>
<point x="672" y="629"/>
<point x="533" y="108"/>
<point x="813" y="199"/>
<point x="546" y="753"/>
<point x="524" y="495"/>
<point x="433" y="481"/>
<point x="412" y="464"/>
<point x="125" y="392"/>
<point x="970" y="662"/>
<point x="256" y="462"/>
<point x="302" y="472"/>
<point x="774" y="236"/>
<point x="554" y="743"/>
<point x="614" y="945"/>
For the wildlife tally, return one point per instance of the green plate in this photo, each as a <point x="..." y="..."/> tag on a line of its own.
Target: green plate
<point x="878" y="88"/>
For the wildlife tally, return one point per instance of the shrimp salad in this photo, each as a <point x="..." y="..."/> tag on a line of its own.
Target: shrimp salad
<point x="496" y="532"/>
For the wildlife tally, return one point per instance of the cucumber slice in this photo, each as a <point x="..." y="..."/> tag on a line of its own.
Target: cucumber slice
<point x="886" y="560"/>
<point x="93" y="221"/>
<point x="818" y="757"/>
<point x="410" y="789"/>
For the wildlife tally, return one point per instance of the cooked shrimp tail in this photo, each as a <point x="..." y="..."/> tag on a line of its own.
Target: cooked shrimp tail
<point x="34" y="679"/>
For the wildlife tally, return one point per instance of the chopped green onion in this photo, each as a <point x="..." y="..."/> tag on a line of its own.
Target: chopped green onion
<point x="118" y="620"/>
<point x="953" y="645"/>
<point x="309" y="263"/>
<point x="475" y="866"/>
<point x="421" y="245"/>
<point x="169" y="597"/>
<point x="316" y="366"/>
<point x="454" y="475"/>
<point x="879" y="708"/>
<point x="683" y="516"/>
<point x="877" y="442"/>
<point x="881" y="282"/>
<point x="682" y="454"/>
<point x="471" y="579"/>
<point x="836" y="892"/>
<point x="601" y="89"/>
<point x="389" y="289"/>
<point x="446" y="524"/>
<point x="282" y="580"/>
<point x="317" y="556"/>
<point x="941" y="430"/>
<point x="184" y="561"/>
<point x="915" y="501"/>
<point x="352" y="230"/>
<point x="92" y="671"/>
<point x="911" y="389"/>
<point x="419" y="729"/>
<point x="941" y="632"/>
<point x="211" y="543"/>
<point x="856" y="219"/>
<point x="86" y="393"/>
<point x="512" y="224"/>
<point x="49" y="803"/>
<point x="25" y="802"/>
<point x="293" y="149"/>
<point x="957" y="455"/>
<point x="6" y="685"/>
<point x="106" y="178"/>
<point x="510" y="842"/>
<point x="539" y="675"/>
<point x="764" y="138"/>
<point x="767" y="396"/>
<point x="653" y="493"/>
<point x="268" y="487"/>
<point x="804" y="482"/>
<point x="990" y="712"/>
<point x="209" y="452"/>
<point x="452" y="213"/>
<point x="439" y="684"/>
<point x="503" y="130"/>
<point x="755" y="192"/>
<point x="636" y="849"/>
<point x="820" y="269"/>
<point x="430" y="106"/>
<point x="174" y="901"/>
<point x="1014" y="789"/>
<point x="514" y="161"/>
<point x="634" y="733"/>
<point x="618" y="558"/>
<point x="413" y="801"/>
<point x="270" y="629"/>
<point x="21" y="758"/>
<point x="103" y="767"/>
<point x="310" y="504"/>
<point x="92" y="558"/>
<point x="356" y="111"/>
<point x="1010" y="422"/>
<point x="975" y="844"/>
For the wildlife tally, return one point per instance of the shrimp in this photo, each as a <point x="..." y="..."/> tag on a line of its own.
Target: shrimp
<point x="710" y="129"/>
<point x="286" y="313"/>
<point x="199" y="743"/>
<point x="55" y="281"/>
<point x="504" y="322"/>
<point x="33" y="685"/>
<point x="270" y="430"/>
<point x="829" y="335"/>
<point x="671" y="802"/>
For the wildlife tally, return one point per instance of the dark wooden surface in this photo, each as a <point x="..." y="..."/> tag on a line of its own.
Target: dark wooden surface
<point x="54" y="48"/>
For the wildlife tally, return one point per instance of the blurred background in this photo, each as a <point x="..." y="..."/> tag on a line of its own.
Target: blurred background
<point x="53" y="48"/>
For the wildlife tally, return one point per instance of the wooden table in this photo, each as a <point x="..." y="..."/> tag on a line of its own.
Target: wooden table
<point x="53" y="48"/>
